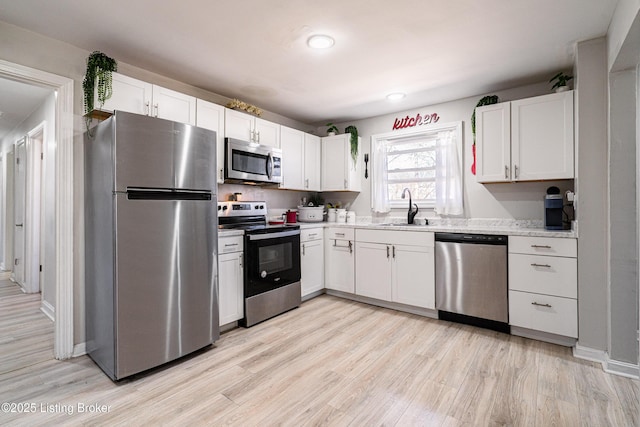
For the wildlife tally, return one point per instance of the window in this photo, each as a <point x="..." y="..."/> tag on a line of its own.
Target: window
<point x="411" y="163"/>
<point x="426" y="161"/>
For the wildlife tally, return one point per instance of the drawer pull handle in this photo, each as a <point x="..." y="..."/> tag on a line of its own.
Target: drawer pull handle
<point x="340" y="234"/>
<point x="540" y="265"/>
<point x="541" y="305"/>
<point x="541" y="246"/>
<point x="231" y="244"/>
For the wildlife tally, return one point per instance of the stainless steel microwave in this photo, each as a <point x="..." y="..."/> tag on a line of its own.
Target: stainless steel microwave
<point x="250" y="162"/>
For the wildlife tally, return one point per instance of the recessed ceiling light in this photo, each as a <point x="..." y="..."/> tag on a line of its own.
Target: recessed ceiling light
<point x="320" y="41"/>
<point x="397" y="96"/>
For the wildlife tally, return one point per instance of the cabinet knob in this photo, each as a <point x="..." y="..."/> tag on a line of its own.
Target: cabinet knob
<point x="516" y="170"/>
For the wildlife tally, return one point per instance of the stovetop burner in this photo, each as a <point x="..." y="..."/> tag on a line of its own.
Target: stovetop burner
<point x="248" y="216"/>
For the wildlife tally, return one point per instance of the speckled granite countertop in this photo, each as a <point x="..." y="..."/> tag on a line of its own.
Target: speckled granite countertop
<point x="531" y="228"/>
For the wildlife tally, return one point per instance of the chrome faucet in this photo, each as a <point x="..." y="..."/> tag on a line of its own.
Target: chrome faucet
<point x="411" y="214"/>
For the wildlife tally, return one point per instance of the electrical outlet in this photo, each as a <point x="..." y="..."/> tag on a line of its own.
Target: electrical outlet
<point x="570" y="195"/>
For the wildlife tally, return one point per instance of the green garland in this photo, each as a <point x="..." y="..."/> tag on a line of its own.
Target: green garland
<point x="99" y="69"/>
<point x="487" y="100"/>
<point x="354" y="142"/>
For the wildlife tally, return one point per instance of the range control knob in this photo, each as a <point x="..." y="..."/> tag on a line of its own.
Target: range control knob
<point x="263" y="274"/>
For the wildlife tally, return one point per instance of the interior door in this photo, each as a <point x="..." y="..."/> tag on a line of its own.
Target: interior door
<point x="19" y="186"/>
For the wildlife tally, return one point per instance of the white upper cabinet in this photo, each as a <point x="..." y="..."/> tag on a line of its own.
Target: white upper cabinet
<point x="211" y="116"/>
<point x="246" y="127"/>
<point x="339" y="171"/>
<point x="292" y="145"/>
<point x="301" y="156"/>
<point x="312" y="159"/>
<point x="526" y="140"/>
<point x="542" y="137"/>
<point x="135" y="96"/>
<point x="129" y="94"/>
<point x="171" y="105"/>
<point x="493" y="143"/>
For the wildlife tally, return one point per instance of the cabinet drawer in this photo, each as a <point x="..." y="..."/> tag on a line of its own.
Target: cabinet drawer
<point x="396" y="237"/>
<point x="309" y="234"/>
<point x="543" y="246"/>
<point x="545" y="313"/>
<point x="344" y="233"/>
<point x="544" y="275"/>
<point x="230" y="244"/>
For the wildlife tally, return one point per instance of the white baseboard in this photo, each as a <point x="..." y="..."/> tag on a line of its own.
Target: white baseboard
<point x="611" y="366"/>
<point x="591" y="354"/>
<point x="79" y="349"/>
<point x="48" y="310"/>
<point x="623" y="369"/>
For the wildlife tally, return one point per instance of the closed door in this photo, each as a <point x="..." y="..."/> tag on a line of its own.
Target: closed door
<point x="339" y="267"/>
<point x="166" y="287"/>
<point x="312" y="266"/>
<point x="19" y="211"/>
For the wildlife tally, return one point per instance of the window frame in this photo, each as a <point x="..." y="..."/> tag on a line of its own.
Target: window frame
<point x="422" y="131"/>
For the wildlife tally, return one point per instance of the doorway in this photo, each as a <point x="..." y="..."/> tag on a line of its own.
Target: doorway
<point x="63" y="212"/>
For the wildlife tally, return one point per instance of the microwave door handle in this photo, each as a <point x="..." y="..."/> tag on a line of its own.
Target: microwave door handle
<point x="269" y="166"/>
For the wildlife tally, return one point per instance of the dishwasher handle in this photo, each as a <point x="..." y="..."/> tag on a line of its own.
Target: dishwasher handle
<point x="483" y="239"/>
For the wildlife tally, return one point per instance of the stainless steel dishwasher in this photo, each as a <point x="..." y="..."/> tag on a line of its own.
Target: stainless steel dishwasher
<point x="471" y="279"/>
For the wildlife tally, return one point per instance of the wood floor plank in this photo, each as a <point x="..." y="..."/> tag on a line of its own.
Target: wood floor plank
<point x="331" y="362"/>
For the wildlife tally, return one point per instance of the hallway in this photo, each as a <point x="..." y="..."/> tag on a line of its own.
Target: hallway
<point x="26" y="334"/>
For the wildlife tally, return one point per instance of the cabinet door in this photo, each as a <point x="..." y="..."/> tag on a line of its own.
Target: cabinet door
<point x="334" y="163"/>
<point x="292" y="144"/>
<point x="339" y="265"/>
<point x="230" y="287"/>
<point x="238" y="125"/>
<point x="373" y="270"/>
<point x="413" y="281"/>
<point x="266" y="132"/>
<point x="542" y="137"/>
<point x="211" y="116"/>
<point x="493" y="143"/>
<point x="129" y="94"/>
<point x="312" y="159"/>
<point x="312" y="266"/>
<point x="171" y="105"/>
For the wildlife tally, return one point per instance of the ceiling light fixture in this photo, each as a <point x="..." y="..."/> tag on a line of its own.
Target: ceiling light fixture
<point x="397" y="96"/>
<point x="320" y="41"/>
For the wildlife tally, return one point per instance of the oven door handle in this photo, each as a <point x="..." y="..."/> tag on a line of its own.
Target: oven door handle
<point x="275" y="235"/>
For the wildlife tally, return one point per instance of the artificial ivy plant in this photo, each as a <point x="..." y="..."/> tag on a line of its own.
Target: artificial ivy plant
<point x="486" y="100"/>
<point x="354" y="141"/>
<point x="99" y="69"/>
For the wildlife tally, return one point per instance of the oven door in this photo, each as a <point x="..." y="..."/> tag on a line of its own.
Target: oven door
<point x="272" y="260"/>
<point x="252" y="162"/>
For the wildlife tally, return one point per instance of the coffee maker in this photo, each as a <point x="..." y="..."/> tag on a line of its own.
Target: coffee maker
<point x="553" y="204"/>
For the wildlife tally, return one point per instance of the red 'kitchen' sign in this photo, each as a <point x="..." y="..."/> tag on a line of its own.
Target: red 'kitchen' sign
<point x="418" y="120"/>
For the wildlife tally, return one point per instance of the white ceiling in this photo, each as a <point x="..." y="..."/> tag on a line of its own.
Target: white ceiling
<point x="255" y="50"/>
<point x="17" y="102"/>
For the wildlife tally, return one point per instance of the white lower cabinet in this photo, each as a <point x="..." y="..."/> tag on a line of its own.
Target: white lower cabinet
<point x="230" y="279"/>
<point x="339" y="259"/>
<point x="543" y="284"/>
<point x="396" y="266"/>
<point x="311" y="260"/>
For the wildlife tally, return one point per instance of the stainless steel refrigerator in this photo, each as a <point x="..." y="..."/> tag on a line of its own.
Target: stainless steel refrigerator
<point x="150" y="242"/>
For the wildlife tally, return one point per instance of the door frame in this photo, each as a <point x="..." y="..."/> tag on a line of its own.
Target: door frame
<point x="20" y="191"/>
<point x="36" y="138"/>
<point x="64" y="119"/>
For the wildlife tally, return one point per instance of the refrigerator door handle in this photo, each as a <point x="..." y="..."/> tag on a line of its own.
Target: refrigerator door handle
<point x="166" y="194"/>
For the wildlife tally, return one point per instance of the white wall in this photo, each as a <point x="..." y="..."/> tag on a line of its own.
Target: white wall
<point x="622" y="42"/>
<point x="44" y="113"/>
<point x="522" y="200"/>
<point x="592" y="187"/>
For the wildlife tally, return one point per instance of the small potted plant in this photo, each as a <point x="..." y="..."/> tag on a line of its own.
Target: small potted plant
<point x="561" y="80"/>
<point x="332" y="129"/>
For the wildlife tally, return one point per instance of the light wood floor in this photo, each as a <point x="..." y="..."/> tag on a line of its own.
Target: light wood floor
<point x="331" y="362"/>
